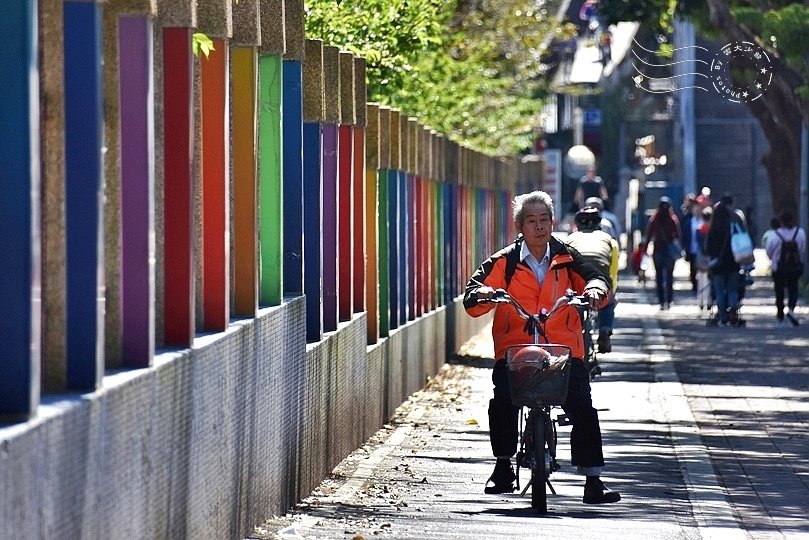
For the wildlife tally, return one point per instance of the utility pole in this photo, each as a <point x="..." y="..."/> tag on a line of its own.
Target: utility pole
<point x="803" y="198"/>
<point x="684" y="71"/>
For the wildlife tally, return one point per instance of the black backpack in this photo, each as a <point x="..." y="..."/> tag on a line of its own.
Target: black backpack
<point x="512" y="259"/>
<point x="790" y="259"/>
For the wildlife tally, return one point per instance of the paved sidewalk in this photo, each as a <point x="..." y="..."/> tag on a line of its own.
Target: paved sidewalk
<point x="723" y="455"/>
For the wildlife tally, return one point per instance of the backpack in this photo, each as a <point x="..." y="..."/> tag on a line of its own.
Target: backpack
<point x="790" y="259"/>
<point x="512" y="259"/>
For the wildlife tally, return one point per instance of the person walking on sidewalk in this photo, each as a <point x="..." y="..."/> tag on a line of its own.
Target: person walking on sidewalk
<point x="663" y="231"/>
<point x="600" y="250"/>
<point x="787" y="252"/>
<point x="689" y="225"/>
<point x="590" y="185"/>
<point x="723" y="267"/>
<point x="535" y="270"/>
<point x="704" y="295"/>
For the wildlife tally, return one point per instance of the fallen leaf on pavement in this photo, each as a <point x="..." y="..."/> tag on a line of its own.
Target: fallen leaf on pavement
<point x="472" y="422"/>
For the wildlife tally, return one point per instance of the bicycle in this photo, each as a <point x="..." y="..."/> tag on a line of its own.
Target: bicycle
<point x="538" y="376"/>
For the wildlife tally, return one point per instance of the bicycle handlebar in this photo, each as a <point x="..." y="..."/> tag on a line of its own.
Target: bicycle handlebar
<point x="570" y="298"/>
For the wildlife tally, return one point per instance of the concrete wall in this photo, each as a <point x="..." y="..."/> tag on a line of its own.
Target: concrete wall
<point x="213" y="440"/>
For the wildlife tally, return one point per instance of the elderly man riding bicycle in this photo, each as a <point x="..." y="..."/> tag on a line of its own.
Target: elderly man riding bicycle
<point x="535" y="270"/>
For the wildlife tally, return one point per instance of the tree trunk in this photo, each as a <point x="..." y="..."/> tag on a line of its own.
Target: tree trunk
<point x="776" y="113"/>
<point x="783" y="160"/>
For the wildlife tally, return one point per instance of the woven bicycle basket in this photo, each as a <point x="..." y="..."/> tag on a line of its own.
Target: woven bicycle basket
<point x="538" y="374"/>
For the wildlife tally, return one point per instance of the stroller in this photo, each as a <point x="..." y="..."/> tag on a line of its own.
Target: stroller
<point x="734" y="318"/>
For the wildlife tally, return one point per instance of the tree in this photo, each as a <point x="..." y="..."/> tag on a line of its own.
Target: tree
<point x="468" y="68"/>
<point x="779" y="27"/>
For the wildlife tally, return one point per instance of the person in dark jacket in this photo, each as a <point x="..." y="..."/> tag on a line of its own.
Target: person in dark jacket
<point x="723" y="267"/>
<point x="663" y="230"/>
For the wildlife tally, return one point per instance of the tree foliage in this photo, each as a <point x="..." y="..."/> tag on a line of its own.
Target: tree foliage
<point x="468" y="68"/>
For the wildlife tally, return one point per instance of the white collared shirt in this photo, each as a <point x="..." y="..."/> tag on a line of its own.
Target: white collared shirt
<point x="540" y="268"/>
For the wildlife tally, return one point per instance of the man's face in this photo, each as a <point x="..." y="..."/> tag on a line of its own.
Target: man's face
<point x="537" y="225"/>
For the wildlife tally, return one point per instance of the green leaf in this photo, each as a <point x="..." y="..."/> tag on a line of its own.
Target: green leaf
<point x="201" y="42"/>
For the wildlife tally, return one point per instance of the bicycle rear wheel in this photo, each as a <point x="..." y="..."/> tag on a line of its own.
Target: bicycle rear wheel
<point x="539" y="472"/>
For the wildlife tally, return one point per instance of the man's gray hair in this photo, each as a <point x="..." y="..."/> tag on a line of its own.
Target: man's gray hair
<point x="535" y="197"/>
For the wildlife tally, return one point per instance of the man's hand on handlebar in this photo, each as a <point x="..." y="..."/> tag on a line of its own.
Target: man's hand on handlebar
<point x="486" y="295"/>
<point x="595" y="297"/>
<point x="484" y="292"/>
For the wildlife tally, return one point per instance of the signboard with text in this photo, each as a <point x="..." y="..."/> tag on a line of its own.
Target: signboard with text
<point x="552" y="179"/>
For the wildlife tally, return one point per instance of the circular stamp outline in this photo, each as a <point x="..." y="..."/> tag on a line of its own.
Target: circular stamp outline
<point x="722" y="81"/>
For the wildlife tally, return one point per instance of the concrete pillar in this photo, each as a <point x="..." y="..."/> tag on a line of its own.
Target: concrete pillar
<point x="214" y="19"/>
<point x="84" y="204"/>
<point x="394" y="219"/>
<point x="292" y="115"/>
<point x="372" y="210"/>
<point x="19" y="212"/>
<point x="411" y="221"/>
<point x="429" y="231"/>
<point x="245" y="157"/>
<point x="54" y="253"/>
<point x="442" y="225"/>
<point x="345" y="188"/>
<point x="435" y="233"/>
<point x="404" y="219"/>
<point x="383" y="190"/>
<point x="454" y="216"/>
<point x="331" y="94"/>
<point x="175" y="188"/>
<point x="129" y="182"/>
<point x="359" y="186"/>
<point x="417" y="278"/>
<point x="459" y="221"/>
<point x="270" y="152"/>
<point x="313" y="116"/>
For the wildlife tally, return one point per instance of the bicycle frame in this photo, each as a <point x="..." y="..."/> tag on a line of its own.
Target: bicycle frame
<point x="537" y="429"/>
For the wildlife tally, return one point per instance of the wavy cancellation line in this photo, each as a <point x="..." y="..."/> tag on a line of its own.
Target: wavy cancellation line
<point x="673" y="50"/>
<point x="639" y="79"/>
<point x="642" y="77"/>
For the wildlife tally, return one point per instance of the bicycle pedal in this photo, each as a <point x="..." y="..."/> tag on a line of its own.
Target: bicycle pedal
<point x="563" y="420"/>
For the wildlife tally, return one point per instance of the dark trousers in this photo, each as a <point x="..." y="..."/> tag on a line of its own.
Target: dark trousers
<point x="585" y="435"/>
<point x="789" y="281"/>
<point x="664" y="276"/>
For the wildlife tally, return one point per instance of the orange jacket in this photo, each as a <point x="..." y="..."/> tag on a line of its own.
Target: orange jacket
<point x="567" y="270"/>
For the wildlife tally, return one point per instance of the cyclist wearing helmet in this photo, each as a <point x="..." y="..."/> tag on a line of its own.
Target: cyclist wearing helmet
<point x="543" y="269"/>
<point x="609" y="221"/>
<point x="601" y="250"/>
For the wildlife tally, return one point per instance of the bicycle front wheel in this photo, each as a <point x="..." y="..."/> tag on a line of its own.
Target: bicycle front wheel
<point x="539" y="472"/>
